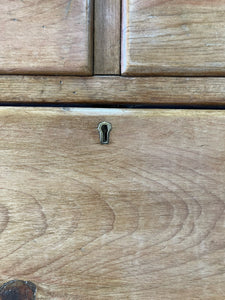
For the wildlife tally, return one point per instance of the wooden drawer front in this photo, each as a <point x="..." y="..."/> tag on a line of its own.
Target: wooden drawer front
<point x="178" y="37"/>
<point x="46" y="37"/>
<point x="140" y="218"/>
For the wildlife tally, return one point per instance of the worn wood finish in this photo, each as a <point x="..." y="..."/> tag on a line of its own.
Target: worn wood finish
<point x="107" y="37"/>
<point x="46" y="37"/>
<point x="18" y="290"/>
<point x="178" y="37"/>
<point x="140" y="218"/>
<point x="113" y="90"/>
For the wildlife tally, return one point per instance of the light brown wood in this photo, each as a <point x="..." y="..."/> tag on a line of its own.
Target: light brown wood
<point x="140" y="218"/>
<point x="107" y="37"/>
<point x="178" y="37"/>
<point x="161" y="91"/>
<point x="46" y="37"/>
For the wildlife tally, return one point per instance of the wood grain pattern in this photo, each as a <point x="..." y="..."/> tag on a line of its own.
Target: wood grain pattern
<point x="178" y="37"/>
<point x="46" y="37"/>
<point x="140" y="218"/>
<point x="161" y="91"/>
<point x="107" y="37"/>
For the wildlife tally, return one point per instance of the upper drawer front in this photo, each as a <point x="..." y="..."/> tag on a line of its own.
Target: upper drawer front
<point x="140" y="218"/>
<point x="46" y="37"/>
<point x="178" y="37"/>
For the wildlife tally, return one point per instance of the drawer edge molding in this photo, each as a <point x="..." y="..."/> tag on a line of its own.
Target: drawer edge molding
<point x="113" y="90"/>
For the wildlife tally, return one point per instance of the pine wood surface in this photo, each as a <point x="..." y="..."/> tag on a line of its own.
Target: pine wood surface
<point x="107" y="37"/>
<point x="111" y="90"/>
<point x="140" y="218"/>
<point x="178" y="37"/>
<point x="46" y="37"/>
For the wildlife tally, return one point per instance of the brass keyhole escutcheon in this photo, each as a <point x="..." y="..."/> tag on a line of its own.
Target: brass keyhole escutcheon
<point x="104" y="129"/>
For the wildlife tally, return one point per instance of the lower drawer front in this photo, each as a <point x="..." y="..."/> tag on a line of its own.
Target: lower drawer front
<point x="139" y="218"/>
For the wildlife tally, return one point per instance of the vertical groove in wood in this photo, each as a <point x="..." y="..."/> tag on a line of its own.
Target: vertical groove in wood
<point x="107" y="37"/>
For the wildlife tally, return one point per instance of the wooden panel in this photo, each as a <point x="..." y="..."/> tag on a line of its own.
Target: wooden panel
<point x="46" y="37"/>
<point x="177" y="37"/>
<point x="140" y="218"/>
<point x="107" y="90"/>
<point x="107" y="37"/>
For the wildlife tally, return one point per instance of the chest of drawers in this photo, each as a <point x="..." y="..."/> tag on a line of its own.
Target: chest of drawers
<point x="143" y="216"/>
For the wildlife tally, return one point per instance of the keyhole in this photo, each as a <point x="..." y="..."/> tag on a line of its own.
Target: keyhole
<point x="104" y="129"/>
<point x="104" y="133"/>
